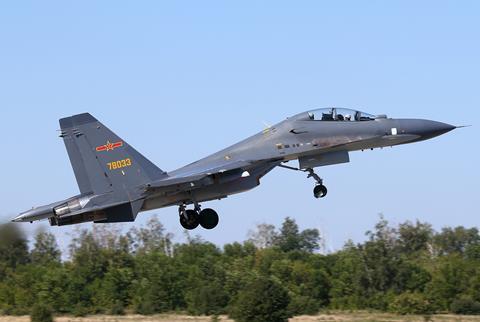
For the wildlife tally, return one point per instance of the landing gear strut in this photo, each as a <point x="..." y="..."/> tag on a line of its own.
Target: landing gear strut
<point x="191" y="218"/>
<point x="320" y="190"/>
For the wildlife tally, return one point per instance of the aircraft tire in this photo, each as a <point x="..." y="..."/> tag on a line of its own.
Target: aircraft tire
<point x="192" y="222"/>
<point x="320" y="191"/>
<point x="208" y="218"/>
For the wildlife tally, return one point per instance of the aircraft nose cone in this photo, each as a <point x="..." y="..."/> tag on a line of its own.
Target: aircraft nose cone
<point x="426" y="129"/>
<point x="433" y="128"/>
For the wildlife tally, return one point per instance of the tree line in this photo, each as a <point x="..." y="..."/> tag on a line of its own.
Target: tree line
<point x="275" y="274"/>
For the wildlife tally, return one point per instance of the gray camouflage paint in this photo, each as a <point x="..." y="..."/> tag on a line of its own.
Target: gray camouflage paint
<point x="117" y="195"/>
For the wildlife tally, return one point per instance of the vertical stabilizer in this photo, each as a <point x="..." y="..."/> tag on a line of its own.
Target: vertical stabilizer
<point x="102" y="161"/>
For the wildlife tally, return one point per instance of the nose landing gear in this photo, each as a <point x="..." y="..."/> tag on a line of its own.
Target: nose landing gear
<point x="191" y="218"/>
<point x="320" y="191"/>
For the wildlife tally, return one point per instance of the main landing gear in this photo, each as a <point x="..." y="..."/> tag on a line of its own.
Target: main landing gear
<point x="320" y="191"/>
<point x="191" y="218"/>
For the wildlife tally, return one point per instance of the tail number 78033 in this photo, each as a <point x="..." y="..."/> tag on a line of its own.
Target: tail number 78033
<point x="119" y="164"/>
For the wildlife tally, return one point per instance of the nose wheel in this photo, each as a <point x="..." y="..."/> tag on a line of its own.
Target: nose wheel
<point x="192" y="218"/>
<point x="320" y="191"/>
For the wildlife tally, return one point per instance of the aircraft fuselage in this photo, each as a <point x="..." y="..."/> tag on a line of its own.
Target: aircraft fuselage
<point x="116" y="182"/>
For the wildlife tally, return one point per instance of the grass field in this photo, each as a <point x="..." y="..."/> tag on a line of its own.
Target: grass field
<point x="357" y="317"/>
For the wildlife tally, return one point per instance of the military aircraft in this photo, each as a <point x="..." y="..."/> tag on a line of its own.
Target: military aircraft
<point x="116" y="182"/>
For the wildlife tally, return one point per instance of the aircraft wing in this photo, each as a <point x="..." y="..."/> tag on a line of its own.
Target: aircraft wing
<point x="201" y="176"/>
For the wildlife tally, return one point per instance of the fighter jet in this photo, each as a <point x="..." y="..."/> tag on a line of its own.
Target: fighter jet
<point x="116" y="182"/>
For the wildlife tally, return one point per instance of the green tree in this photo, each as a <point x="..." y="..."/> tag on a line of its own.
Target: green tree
<point x="41" y="313"/>
<point x="382" y="261"/>
<point x="450" y="279"/>
<point x="13" y="248"/>
<point x="262" y="300"/>
<point x="465" y="305"/>
<point x="114" y="287"/>
<point x="456" y="240"/>
<point x="410" y="276"/>
<point x="237" y="250"/>
<point x="159" y="284"/>
<point x="206" y="299"/>
<point x="473" y="252"/>
<point x="151" y="237"/>
<point x="118" y="308"/>
<point x="99" y="269"/>
<point x="308" y="286"/>
<point x="410" y="303"/>
<point x="291" y="239"/>
<point x="50" y="287"/>
<point x="45" y="249"/>
<point x="408" y="268"/>
<point x="414" y="238"/>
<point x="348" y="279"/>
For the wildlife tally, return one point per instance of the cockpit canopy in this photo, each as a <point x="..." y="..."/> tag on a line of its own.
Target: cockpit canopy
<point x="339" y="114"/>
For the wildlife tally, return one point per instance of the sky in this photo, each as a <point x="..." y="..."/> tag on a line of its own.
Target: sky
<point x="180" y="80"/>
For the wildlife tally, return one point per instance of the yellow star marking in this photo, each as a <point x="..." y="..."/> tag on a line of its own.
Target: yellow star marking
<point x="109" y="146"/>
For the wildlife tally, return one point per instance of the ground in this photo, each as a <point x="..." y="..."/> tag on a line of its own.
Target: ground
<point x="356" y="316"/>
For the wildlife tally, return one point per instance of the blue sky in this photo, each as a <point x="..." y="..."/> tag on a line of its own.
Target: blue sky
<point x="182" y="79"/>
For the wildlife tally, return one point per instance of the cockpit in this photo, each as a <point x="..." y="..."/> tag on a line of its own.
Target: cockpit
<point x="339" y="114"/>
